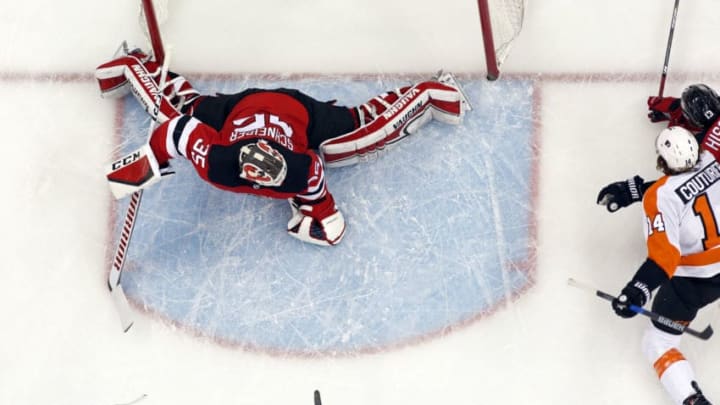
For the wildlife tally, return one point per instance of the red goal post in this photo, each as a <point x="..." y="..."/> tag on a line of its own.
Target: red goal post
<point x="152" y="14"/>
<point x="501" y="22"/>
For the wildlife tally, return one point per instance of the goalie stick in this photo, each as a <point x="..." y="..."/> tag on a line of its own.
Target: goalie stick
<point x="117" y="293"/>
<point x="705" y="334"/>
<point x="115" y="276"/>
<point x="153" y="31"/>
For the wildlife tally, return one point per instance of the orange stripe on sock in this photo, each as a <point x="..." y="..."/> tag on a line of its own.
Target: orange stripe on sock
<point x="669" y="358"/>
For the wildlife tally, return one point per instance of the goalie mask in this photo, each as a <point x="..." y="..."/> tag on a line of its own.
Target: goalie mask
<point x="260" y="163"/>
<point x="677" y="150"/>
<point x="700" y="105"/>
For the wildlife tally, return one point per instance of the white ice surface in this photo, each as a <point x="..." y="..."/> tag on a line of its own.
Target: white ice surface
<point x="60" y="342"/>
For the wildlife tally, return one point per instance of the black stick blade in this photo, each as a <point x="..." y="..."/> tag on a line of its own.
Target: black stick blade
<point x="706" y="333"/>
<point x="317" y="398"/>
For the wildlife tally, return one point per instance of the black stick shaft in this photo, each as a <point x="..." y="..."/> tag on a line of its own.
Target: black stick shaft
<point x="705" y="334"/>
<point x="663" y="77"/>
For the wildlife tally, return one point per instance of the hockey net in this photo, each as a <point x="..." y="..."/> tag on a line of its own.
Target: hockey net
<point x="501" y="22"/>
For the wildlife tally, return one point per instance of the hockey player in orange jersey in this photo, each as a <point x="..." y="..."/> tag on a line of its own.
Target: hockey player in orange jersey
<point x="698" y="111"/>
<point x="683" y="259"/>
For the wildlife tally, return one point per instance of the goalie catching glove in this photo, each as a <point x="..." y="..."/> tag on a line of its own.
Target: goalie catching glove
<point x="318" y="222"/>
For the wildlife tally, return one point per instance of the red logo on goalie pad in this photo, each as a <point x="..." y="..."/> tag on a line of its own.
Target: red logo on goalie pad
<point x="133" y="169"/>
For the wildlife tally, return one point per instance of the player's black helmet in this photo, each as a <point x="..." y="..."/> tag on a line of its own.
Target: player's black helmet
<point x="700" y="105"/>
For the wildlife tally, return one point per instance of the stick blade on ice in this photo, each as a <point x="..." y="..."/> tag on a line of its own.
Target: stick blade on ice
<point x="123" y="307"/>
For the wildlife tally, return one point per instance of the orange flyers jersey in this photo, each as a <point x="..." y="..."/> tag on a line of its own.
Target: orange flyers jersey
<point x="681" y="221"/>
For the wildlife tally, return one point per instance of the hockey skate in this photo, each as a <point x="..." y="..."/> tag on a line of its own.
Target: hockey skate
<point x="449" y="79"/>
<point x="697" y="398"/>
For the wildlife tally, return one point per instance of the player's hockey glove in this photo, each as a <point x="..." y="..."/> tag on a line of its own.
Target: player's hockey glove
<point x="635" y="293"/>
<point x="639" y="290"/>
<point x="664" y="109"/>
<point x="697" y="398"/>
<point x="622" y="193"/>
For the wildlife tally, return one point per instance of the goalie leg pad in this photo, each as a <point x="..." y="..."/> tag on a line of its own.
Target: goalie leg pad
<point x="113" y="80"/>
<point x="113" y="87"/>
<point x="129" y="72"/>
<point x="180" y="93"/>
<point x="111" y="75"/>
<point x="418" y="105"/>
<point x="371" y="109"/>
<point x="449" y="79"/>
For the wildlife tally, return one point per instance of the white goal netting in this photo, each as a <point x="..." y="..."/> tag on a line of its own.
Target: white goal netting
<point x="506" y="17"/>
<point x="161" y="14"/>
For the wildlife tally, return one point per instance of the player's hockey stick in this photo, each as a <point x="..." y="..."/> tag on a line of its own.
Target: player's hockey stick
<point x="667" y="50"/>
<point x="705" y="334"/>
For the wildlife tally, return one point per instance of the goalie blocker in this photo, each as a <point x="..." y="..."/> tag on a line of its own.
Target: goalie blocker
<point x="135" y="171"/>
<point x="264" y="141"/>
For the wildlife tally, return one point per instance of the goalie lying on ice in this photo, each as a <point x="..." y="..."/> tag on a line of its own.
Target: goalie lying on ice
<point x="263" y="141"/>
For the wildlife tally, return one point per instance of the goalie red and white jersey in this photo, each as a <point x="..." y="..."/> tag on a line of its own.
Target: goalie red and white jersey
<point x="274" y="117"/>
<point x="681" y="221"/>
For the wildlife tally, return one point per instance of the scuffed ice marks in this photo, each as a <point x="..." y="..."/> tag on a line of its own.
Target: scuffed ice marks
<point x="421" y="254"/>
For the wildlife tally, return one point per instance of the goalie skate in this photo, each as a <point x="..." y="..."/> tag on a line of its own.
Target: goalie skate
<point x="449" y="79"/>
<point x="125" y="50"/>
